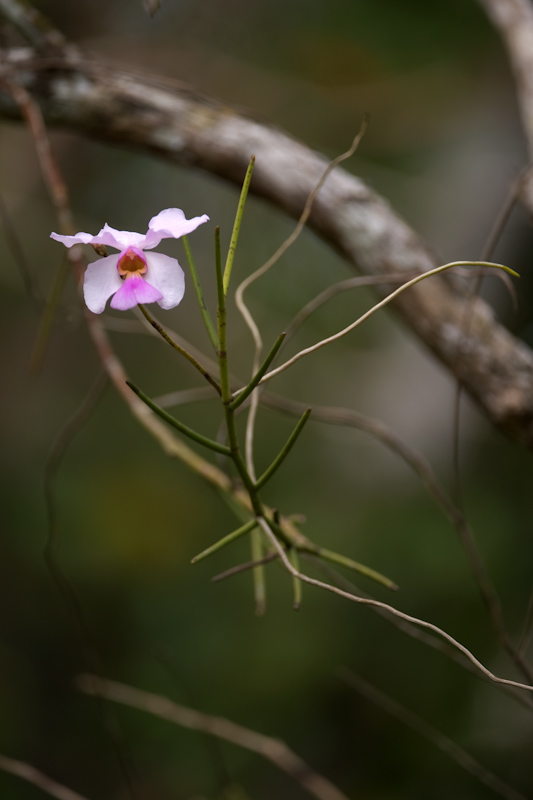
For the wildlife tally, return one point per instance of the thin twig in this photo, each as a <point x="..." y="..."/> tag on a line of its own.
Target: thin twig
<point x="229" y="573"/>
<point x="386" y="300"/>
<point x="335" y="289"/>
<point x="38" y="778"/>
<point x="17" y="251"/>
<point x="418" y="634"/>
<point x="478" y="569"/>
<point x="59" y="196"/>
<point x="274" y="750"/>
<point x="52" y="176"/>
<point x="382" y="280"/>
<point x="412" y="457"/>
<point x="438" y="739"/>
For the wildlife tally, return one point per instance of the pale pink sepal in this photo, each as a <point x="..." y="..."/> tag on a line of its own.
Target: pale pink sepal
<point x="100" y="282"/>
<point x="135" y="290"/>
<point x="168" y="224"/>
<point x="172" y="224"/>
<point x="108" y="236"/>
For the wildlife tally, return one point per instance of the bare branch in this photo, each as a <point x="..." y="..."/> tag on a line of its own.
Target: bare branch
<point x="188" y="129"/>
<point x="273" y="750"/>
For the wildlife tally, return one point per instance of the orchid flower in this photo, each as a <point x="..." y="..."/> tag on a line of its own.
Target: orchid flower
<point x="133" y="275"/>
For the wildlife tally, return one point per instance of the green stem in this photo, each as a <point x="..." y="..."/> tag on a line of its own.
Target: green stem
<point x="206" y="316"/>
<point x="237" y="224"/>
<point x="241" y="397"/>
<point x="221" y="324"/>
<point x="246" y="528"/>
<point x="225" y="386"/>
<point x="162" y="332"/>
<point x="267" y="474"/>
<point x="184" y="429"/>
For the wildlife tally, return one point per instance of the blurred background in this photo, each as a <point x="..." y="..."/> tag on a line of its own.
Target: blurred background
<point x="444" y="146"/>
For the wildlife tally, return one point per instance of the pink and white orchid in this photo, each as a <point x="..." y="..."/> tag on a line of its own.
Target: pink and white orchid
<point x="133" y="275"/>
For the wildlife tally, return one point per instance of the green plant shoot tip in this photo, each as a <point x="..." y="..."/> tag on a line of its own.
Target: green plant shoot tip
<point x="492" y="264"/>
<point x="237" y="224"/>
<point x="246" y="528"/>
<point x="278" y="461"/>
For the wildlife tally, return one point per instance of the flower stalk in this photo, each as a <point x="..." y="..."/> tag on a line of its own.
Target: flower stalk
<point x="162" y="332"/>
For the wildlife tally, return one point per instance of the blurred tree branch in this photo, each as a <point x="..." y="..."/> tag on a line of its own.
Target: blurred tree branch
<point x="274" y="750"/>
<point x="186" y="128"/>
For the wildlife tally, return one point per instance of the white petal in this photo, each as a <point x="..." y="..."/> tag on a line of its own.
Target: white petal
<point x="101" y="281"/>
<point x="165" y="274"/>
<point x="171" y="224"/>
